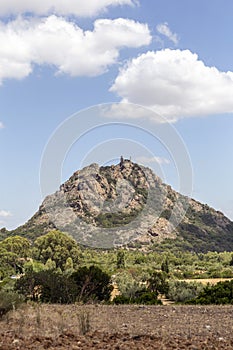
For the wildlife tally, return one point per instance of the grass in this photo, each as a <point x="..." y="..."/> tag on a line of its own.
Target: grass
<point x="9" y="301"/>
<point x="84" y="321"/>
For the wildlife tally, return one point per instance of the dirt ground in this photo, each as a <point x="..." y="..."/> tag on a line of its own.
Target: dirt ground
<point x="124" y="327"/>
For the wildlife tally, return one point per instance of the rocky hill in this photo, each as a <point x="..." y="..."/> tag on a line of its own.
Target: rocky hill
<point x="127" y="204"/>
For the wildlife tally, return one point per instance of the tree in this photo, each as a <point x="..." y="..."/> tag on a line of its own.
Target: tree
<point x="50" y="265"/>
<point x="120" y="259"/>
<point x="92" y="284"/>
<point x="231" y="262"/>
<point x="8" y="262"/>
<point x="17" y="245"/>
<point x="56" y="246"/>
<point x="69" y="266"/>
<point x="157" y="283"/>
<point x="13" y="252"/>
<point x="47" y="286"/>
<point x="164" y="266"/>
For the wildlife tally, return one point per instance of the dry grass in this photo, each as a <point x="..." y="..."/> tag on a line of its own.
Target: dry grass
<point x="206" y="281"/>
<point x="117" y="327"/>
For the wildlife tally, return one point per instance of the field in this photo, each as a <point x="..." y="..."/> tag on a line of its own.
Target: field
<point x="117" y="327"/>
<point x="205" y="281"/>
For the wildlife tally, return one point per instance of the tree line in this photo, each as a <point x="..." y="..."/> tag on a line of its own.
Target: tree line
<point x="56" y="269"/>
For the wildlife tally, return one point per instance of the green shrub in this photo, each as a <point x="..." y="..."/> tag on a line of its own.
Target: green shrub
<point x="148" y="298"/>
<point x="92" y="284"/>
<point x="157" y="282"/>
<point x="221" y="293"/>
<point x="9" y="301"/>
<point x="127" y="284"/>
<point x="120" y="259"/>
<point x="107" y="220"/>
<point x="144" y="298"/>
<point x="166" y="214"/>
<point x="181" y="291"/>
<point x="122" y="299"/>
<point x="47" y="286"/>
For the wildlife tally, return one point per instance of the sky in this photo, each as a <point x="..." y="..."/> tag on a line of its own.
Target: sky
<point x="134" y="61"/>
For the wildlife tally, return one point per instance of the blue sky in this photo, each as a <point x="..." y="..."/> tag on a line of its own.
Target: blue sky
<point x="171" y="56"/>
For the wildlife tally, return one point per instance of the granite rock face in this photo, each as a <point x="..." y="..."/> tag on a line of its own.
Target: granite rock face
<point x="127" y="204"/>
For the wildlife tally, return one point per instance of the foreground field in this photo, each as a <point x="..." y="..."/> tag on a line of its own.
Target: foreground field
<point x="117" y="327"/>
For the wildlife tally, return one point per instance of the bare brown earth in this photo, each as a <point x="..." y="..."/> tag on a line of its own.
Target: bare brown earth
<point x="117" y="327"/>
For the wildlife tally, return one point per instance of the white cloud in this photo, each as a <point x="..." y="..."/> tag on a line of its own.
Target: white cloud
<point x="61" y="7"/>
<point x="1" y="125"/>
<point x="175" y="84"/>
<point x="57" y="42"/>
<point x="5" y="214"/>
<point x="124" y="110"/>
<point x="164" y="29"/>
<point x="150" y="160"/>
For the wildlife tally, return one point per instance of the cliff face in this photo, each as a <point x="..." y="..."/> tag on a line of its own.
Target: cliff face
<point x="128" y="204"/>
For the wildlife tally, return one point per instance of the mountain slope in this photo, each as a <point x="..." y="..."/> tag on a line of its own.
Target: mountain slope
<point x="128" y="204"/>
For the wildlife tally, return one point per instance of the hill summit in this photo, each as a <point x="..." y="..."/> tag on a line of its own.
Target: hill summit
<point x="127" y="204"/>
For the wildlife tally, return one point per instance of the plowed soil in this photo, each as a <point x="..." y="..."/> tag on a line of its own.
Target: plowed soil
<point x="87" y="327"/>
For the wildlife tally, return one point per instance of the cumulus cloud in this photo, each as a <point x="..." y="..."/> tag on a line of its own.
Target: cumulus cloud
<point x="150" y="160"/>
<point x="124" y="110"/>
<point x="61" y="7"/>
<point x="175" y="84"/>
<point x="60" y="43"/>
<point x="5" y="214"/>
<point x="164" y="29"/>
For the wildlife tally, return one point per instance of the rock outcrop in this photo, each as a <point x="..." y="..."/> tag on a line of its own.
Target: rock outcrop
<point x="127" y="204"/>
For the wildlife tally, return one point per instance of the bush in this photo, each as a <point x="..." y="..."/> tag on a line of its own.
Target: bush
<point x="221" y="293"/>
<point x="181" y="291"/>
<point x="120" y="259"/>
<point x="92" y="284"/>
<point x="122" y="299"/>
<point x="157" y="282"/>
<point x="127" y="284"/>
<point x="53" y="287"/>
<point x="166" y="214"/>
<point x="9" y="301"/>
<point x="47" y="286"/>
<point x="107" y="220"/>
<point x="145" y="298"/>
<point x="148" y="298"/>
